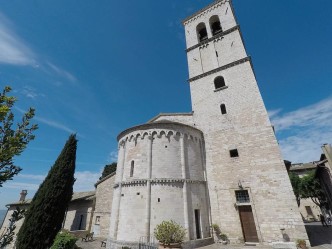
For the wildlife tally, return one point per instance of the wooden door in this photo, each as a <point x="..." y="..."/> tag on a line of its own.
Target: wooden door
<point x="248" y="224"/>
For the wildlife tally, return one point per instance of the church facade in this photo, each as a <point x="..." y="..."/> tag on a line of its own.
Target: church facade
<point x="219" y="164"/>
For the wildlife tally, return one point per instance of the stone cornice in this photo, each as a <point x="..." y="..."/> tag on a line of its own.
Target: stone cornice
<point x="170" y="114"/>
<point x="203" y="11"/>
<point x="158" y="180"/>
<point x="220" y="35"/>
<point x="105" y="178"/>
<point x="238" y="62"/>
<point x="144" y="128"/>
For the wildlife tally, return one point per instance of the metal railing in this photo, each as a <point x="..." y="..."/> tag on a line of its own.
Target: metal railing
<point x="148" y="242"/>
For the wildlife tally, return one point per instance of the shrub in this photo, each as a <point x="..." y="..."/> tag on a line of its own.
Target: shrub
<point x="169" y="232"/>
<point x="64" y="240"/>
<point x="301" y="243"/>
<point x="224" y="237"/>
<point x="216" y="228"/>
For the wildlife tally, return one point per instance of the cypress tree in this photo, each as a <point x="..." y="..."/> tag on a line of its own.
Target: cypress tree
<point x="47" y="209"/>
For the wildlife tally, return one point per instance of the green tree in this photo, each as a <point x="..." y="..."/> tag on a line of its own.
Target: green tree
<point x="311" y="188"/>
<point x="12" y="140"/>
<point x="47" y="209"/>
<point x="108" y="169"/>
<point x="296" y="184"/>
<point x="308" y="187"/>
<point x="7" y="237"/>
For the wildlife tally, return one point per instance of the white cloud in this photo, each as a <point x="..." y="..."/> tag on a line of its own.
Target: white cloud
<point x="12" y="48"/>
<point x="61" y="72"/>
<point x="113" y="156"/>
<point x="317" y="115"/>
<point x="21" y="185"/>
<point x="54" y="124"/>
<point x="85" y="180"/>
<point x="273" y="113"/>
<point x="14" y="51"/>
<point x="29" y="92"/>
<point x="303" y="131"/>
<point x="49" y="122"/>
<point x="31" y="177"/>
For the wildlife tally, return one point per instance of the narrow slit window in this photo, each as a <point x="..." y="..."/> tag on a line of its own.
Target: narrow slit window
<point x="223" y="109"/>
<point x="219" y="82"/>
<point x="132" y="168"/>
<point x="158" y="199"/>
<point x="234" y="153"/>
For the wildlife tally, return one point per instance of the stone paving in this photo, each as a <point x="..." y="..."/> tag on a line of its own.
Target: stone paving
<point x="95" y="244"/>
<point x="320" y="238"/>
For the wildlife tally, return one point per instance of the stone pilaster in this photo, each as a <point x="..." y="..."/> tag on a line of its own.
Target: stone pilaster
<point x="185" y="185"/>
<point x="148" y="184"/>
<point x="118" y="197"/>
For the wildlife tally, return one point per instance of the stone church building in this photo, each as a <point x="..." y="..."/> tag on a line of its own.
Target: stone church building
<point x="219" y="164"/>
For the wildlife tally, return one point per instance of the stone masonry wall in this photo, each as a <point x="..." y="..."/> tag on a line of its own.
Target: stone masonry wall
<point x="167" y="181"/>
<point x="103" y="207"/>
<point x="259" y="168"/>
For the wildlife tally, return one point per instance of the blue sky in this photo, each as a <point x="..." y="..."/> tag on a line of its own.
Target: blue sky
<point x="99" y="68"/>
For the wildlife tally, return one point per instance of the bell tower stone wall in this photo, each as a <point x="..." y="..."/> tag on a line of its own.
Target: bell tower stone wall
<point x="242" y="152"/>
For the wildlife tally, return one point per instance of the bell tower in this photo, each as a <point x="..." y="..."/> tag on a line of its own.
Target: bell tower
<point x="250" y="193"/>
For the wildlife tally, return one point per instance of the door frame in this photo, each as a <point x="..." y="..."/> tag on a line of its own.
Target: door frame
<point x="252" y="204"/>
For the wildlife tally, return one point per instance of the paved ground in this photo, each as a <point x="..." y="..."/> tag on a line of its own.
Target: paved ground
<point x="320" y="238"/>
<point x="96" y="243"/>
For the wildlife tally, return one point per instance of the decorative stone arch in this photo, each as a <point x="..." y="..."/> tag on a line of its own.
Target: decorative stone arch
<point x="161" y="133"/>
<point x="170" y="134"/>
<point x="215" y="25"/>
<point x="153" y="134"/>
<point x="131" y="138"/>
<point x="201" y="32"/>
<point x="145" y="134"/>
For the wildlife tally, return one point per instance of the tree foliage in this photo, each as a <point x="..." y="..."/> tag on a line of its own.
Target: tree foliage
<point x="308" y="187"/>
<point x="8" y="236"/>
<point x="296" y="184"/>
<point x="311" y="188"/>
<point x="12" y="140"/>
<point x="108" y="169"/>
<point x="47" y="209"/>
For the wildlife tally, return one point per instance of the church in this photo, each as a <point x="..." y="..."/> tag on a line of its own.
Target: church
<point x="218" y="164"/>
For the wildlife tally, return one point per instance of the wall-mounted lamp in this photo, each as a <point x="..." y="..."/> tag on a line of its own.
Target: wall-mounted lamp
<point x="240" y="184"/>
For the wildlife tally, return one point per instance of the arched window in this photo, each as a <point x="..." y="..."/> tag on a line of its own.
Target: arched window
<point x="201" y="32"/>
<point x="219" y="82"/>
<point x="215" y="25"/>
<point x="223" y="109"/>
<point x="132" y="168"/>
